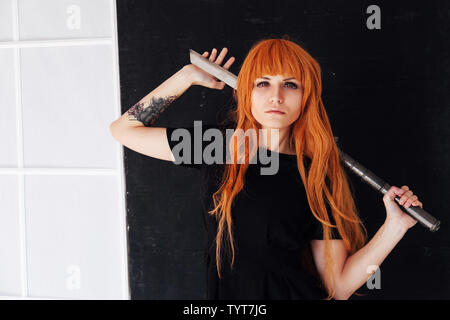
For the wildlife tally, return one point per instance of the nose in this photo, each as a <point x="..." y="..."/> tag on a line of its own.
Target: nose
<point x="275" y="95"/>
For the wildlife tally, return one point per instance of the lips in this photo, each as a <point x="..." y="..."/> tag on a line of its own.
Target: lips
<point x="275" y="111"/>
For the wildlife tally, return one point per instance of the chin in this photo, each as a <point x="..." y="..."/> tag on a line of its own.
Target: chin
<point x="273" y="124"/>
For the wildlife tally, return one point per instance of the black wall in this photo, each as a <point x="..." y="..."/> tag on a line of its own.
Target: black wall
<point x="386" y="92"/>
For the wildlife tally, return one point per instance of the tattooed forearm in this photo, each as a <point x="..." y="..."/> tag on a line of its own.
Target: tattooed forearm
<point x="148" y="112"/>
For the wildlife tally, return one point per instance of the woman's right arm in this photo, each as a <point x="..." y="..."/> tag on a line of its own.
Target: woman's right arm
<point x="134" y="128"/>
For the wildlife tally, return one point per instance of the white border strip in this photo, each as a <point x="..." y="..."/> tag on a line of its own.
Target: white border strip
<point x="53" y="43"/>
<point x="19" y="141"/>
<point x="58" y="171"/>
<point x="120" y="159"/>
<point x="26" y="298"/>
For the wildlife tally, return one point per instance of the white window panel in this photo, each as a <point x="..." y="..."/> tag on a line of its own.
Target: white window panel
<point x="73" y="228"/>
<point x="64" y="19"/>
<point x="8" y="154"/>
<point x="68" y="104"/>
<point x="10" y="241"/>
<point x="6" y="20"/>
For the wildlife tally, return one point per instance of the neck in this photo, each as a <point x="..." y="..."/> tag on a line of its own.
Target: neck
<point x="276" y="140"/>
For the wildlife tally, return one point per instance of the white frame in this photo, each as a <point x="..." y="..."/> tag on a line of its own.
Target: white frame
<point x="20" y="171"/>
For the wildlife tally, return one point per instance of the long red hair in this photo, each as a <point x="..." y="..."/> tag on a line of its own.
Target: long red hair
<point x="310" y="135"/>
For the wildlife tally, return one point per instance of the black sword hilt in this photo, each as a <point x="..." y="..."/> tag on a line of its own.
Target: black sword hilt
<point x="381" y="186"/>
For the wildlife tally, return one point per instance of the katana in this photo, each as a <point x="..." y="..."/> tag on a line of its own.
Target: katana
<point x="423" y="217"/>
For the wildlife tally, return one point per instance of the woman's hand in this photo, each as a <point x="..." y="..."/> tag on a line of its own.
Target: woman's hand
<point x="393" y="212"/>
<point x="199" y="77"/>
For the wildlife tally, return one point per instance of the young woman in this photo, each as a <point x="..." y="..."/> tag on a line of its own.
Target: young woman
<point x="292" y="235"/>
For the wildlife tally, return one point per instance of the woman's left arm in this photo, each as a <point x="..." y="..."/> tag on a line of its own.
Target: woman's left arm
<point x="351" y="272"/>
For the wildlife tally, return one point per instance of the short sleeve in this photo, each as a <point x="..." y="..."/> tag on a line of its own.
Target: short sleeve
<point x="316" y="229"/>
<point x="193" y="147"/>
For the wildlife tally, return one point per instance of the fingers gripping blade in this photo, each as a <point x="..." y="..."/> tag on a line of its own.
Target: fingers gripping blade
<point x="213" y="68"/>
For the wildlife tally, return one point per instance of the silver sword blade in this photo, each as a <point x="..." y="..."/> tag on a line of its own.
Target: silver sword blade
<point x="213" y="68"/>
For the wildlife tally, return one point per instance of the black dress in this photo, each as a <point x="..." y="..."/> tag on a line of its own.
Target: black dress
<point x="272" y="229"/>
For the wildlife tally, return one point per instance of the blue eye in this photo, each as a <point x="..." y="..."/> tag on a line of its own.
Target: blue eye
<point x="294" y="86"/>
<point x="259" y="84"/>
<point x="291" y="84"/>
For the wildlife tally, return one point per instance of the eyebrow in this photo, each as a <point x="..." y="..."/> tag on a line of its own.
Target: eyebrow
<point x="283" y="80"/>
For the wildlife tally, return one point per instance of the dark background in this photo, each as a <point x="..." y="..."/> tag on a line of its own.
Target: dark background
<point x="386" y="93"/>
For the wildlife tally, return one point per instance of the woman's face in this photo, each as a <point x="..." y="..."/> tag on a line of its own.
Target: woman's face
<point x="276" y="92"/>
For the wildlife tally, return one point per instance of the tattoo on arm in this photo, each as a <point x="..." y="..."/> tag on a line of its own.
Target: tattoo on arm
<point x="148" y="112"/>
